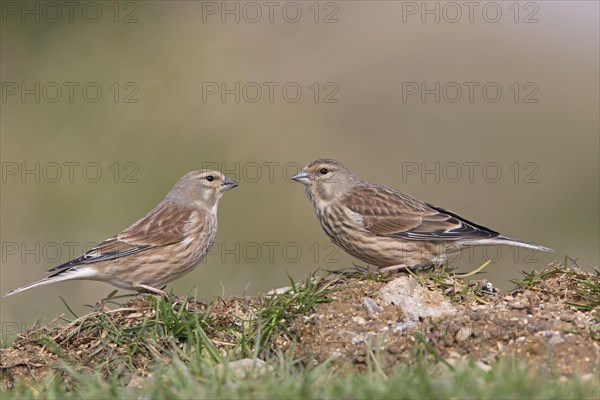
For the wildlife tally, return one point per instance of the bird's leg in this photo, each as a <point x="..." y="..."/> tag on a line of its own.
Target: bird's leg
<point x="393" y="268"/>
<point x="200" y="300"/>
<point x="350" y="272"/>
<point x="413" y="268"/>
<point x="184" y="299"/>
<point x="150" y="289"/>
<point x="424" y="267"/>
<point x="101" y="303"/>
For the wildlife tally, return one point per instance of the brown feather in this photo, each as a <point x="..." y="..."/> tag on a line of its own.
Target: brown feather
<point x="162" y="246"/>
<point x="383" y="226"/>
<point x="166" y="224"/>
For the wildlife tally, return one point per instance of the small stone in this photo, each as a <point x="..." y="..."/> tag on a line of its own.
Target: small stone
<point x="279" y="291"/>
<point x="336" y="353"/>
<point x="400" y="326"/>
<point x="463" y="334"/>
<point x="245" y="367"/>
<point x="568" y="317"/>
<point x="358" y="339"/>
<point x="452" y="361"/>
<point x="309" y="318"/>
<point x="556" y="339"/>
<point x="136" y="381"/>
<point x="359" y="320"/>
<point x="414" y="301"/>
<point x="516" y="305"/>
<point x="483" y="366"/>
<point x="371" y="306"/>
<point x="587" y="377"/>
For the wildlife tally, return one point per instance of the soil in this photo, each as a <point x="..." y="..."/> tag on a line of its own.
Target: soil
<point x="542" y="323"/>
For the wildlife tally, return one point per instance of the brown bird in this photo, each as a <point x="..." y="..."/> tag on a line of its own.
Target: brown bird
<point x="159" y="248"/>
<point x="385" y="227"/>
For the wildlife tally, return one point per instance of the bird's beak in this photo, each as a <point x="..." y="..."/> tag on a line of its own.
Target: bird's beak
<point x="301" y="177"/>
<point x="228" y="184"/>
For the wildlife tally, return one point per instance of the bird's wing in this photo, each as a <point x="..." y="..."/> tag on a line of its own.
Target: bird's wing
<point x="387" y="212"/>
<point x="161" y="227"/>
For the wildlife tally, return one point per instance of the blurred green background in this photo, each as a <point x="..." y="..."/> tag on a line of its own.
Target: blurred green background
<point x="155" y="119"/>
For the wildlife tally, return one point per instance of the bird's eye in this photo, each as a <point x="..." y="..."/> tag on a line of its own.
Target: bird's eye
<point x="323" y="171"/>
<point x="210" y="178"/>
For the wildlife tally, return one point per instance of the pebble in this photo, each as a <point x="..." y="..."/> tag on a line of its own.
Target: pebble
<point x="359" y="320"/>
<point x="462" y="334"/>
<point x="400" y="326"/>
<point x="136" y="381"/>
<point x="245" y="366"/>
<point x="556" y="339"/>
<point x="279" y="291"/>
<point x="587" y="377"/>
<point x="517" y="305"/>
<point x="371" y="306"/>
<point x="483" y="366"/>
<point x="358" y="339"/>
<point x="336" y="353"/>
<point x="568" y="317"/>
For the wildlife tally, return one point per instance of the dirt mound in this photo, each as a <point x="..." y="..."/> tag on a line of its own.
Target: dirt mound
<point x="552" y="320"/>
<point x="545" y="333"/>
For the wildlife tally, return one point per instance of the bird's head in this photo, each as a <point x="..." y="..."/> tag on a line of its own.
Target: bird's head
<point x="326" y="180"/>
<point x="203" y="188"/>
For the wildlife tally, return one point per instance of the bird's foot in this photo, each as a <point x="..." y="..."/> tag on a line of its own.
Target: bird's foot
<point x="200" y="301"/>
<point x="355" y="270"/>
<point x="393" y="268"/>
<point x="408" y="268"/>
<point x="152" y="290"/>
<point x="191" y="299"/>
<point x="101" y="304"/>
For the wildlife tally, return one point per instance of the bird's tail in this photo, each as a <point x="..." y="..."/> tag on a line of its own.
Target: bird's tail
<point x="66" y="275"/>
<point x="506" y="241"/>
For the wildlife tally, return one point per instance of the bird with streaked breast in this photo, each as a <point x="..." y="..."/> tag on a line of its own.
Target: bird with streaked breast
<point x="162" y="246"/>
<point x="385" y="227"/>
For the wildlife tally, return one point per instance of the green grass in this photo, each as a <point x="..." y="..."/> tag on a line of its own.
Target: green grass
<point x="174" y="351"/>
<point x="281" y="309"/>
<point x="200" y="379"/>
<point x="584" y="287"/>
<point x="168" y="327"/>
<point x="273" y="317"/>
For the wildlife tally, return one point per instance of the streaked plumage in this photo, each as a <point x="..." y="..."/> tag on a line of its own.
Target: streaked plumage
<point x="159" y="248"/>
<point x="385" y="227"/>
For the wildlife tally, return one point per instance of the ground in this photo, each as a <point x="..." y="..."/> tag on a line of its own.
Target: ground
<point x="352" y="321"/>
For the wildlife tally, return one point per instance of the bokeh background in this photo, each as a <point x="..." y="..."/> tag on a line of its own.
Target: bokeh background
<point x="357" y="64"/>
